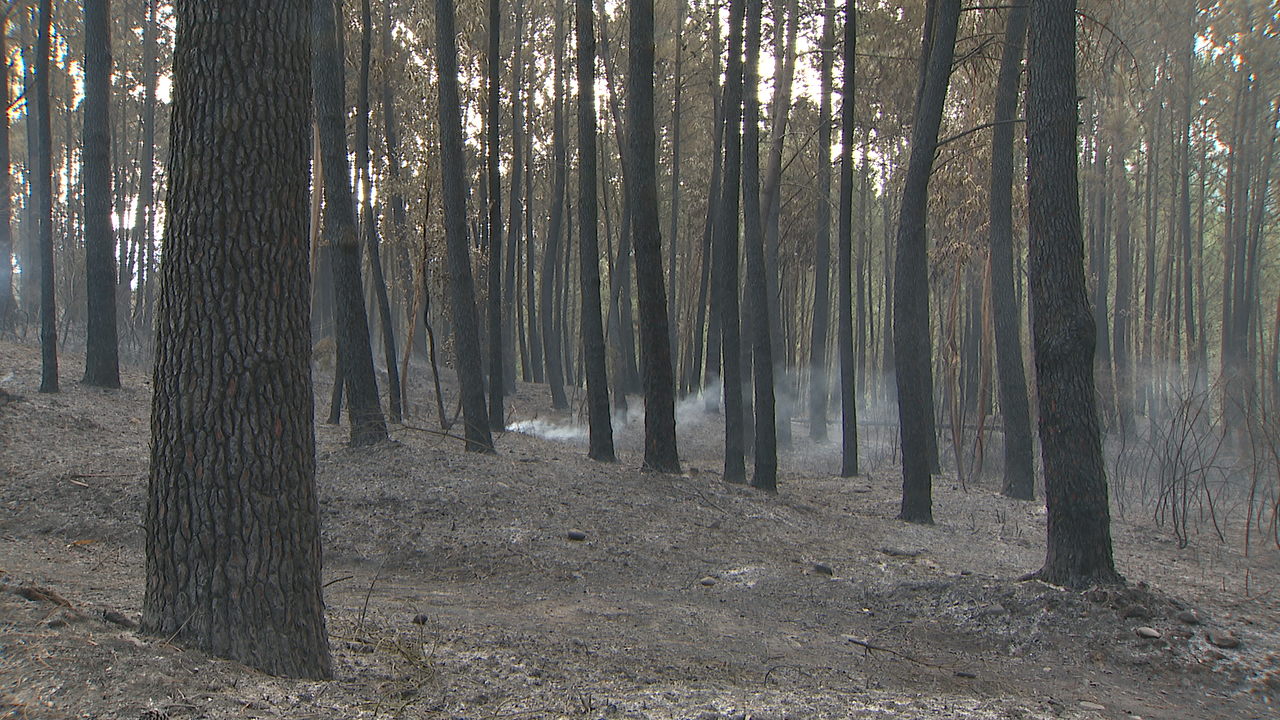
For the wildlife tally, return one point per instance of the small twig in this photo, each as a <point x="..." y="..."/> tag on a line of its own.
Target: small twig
<point x="338" y="580"/>
<point x="364" y="610"/>
<point x="872" y="646"/>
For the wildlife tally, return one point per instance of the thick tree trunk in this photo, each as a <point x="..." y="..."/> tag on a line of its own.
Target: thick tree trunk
<point x="598" y="412"/>
<point x="102" y="358"/>
<point x="43" y="190"/>
<point x="466" y="330"/>
<point x="818" y="384"/>
<point x="844" y="278"/>
<point x="660" y="452"/>
<point x="911" y="334"/>
<point x="232" y="521"/>
<point x="1079" y="519"/>
<point x="355" y="356"/>
<point x="1019" y="463"/>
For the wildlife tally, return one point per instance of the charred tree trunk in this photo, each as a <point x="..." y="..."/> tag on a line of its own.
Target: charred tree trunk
<point x="232" y="521"/>
<point x="43" y="189"/>
<point x="102" y="351"/>
<point x="598" y="412"/>
<point x="1079" y="519"/>
<point x="660" y="452"/>
<point x="466" y="327"/>
<point x="911" y="334"/>
<point x="497" y="373"/>
<point x="765" y="476"/>
<point x="369" y="226"/>
<point x="1019" y="464"/>
<point x="8" y="301"/>
<point x="725" y="279"/>
<point x="551" y="251"/>
<point x="848" y="379"/>
<point x="818" y="384"/>
<point x="355" y="357"/>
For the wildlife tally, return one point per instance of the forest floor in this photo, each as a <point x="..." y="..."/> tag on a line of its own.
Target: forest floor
<point x="688" y="597"/>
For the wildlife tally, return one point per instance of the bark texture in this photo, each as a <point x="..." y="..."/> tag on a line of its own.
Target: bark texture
<point x="1079" y="516"/>
<point x="232" y="523"/>
<point x="466" y="326"/>
<point x="102" y="354"/>
<point x="355" y="355"/>
<point x="1019" y="468"/>
<point x="911" y="333"/>
<point x="844" y="277"/>
<point x="598" y="414"/>
<point x="43" y="188"/>
<point x="660" y="452"/>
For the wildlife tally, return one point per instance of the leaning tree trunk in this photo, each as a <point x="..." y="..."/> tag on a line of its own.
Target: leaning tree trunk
<point x="1019" y="470"/>
<point x="1079" y="515"/>
<point x="43" y="186"/>
<point x="598" y="413"/>
<point x="355" y="357"/>
<point x="911" y="334"/>
<point x="660" y="452"/>
<point x="844" y="335"/>
<point x="102" y="354"/>
<point x="370" y="227"/>
<point x="232" y="520"/>
<point x="466" y="327"/>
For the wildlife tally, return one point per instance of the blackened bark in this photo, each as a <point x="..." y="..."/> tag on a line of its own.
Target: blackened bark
<point x="43" y="186"/>
<point x="1079" y="516"/>
<point x="555" y="227"/>
<point x="844" y="279"/>
<point x="355" y="356"/>
<point x="531" y="295"/>
<point x="660" y="452"/>
<point x="598" y="413"/>
<point x="1124" y="285"/>
<point x="672" y="280"/>
<point x="818" y="385"/>
<point x="725" y="274"/>
<point x="497" y="375"/>
<point x="765" y="476"/>
<point x="771" y="207"/>
<point x="1019" y="467"/>
<point x="911" y="334"/>
<point x="510" y="291"/>
<point x="102" y="355"/>
<point x="232" y="520"/>
<point x="466" y="330"/>
<point x="369" y="225"/>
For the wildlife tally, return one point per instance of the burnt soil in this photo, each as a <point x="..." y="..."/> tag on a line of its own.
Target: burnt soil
<point x="455" y="592"/>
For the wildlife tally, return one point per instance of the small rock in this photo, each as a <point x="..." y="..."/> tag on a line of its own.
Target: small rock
<point x="119" y="618"/>
<point x="577" y="535"/>
<point x="707" y="581"/>
<point x="898" y="552"/>
<point x="1223" y="639"/>
<point x="1190" y="617"/>
<point x="1136" y="611"/>
<point x="419" y="619"/>
<point x="1148" y="633"/>
<point x="823" y="569"/>
<point x="1092" y="706"/>
<point x="966" y="572"/>
<point x="963" y="674"/>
